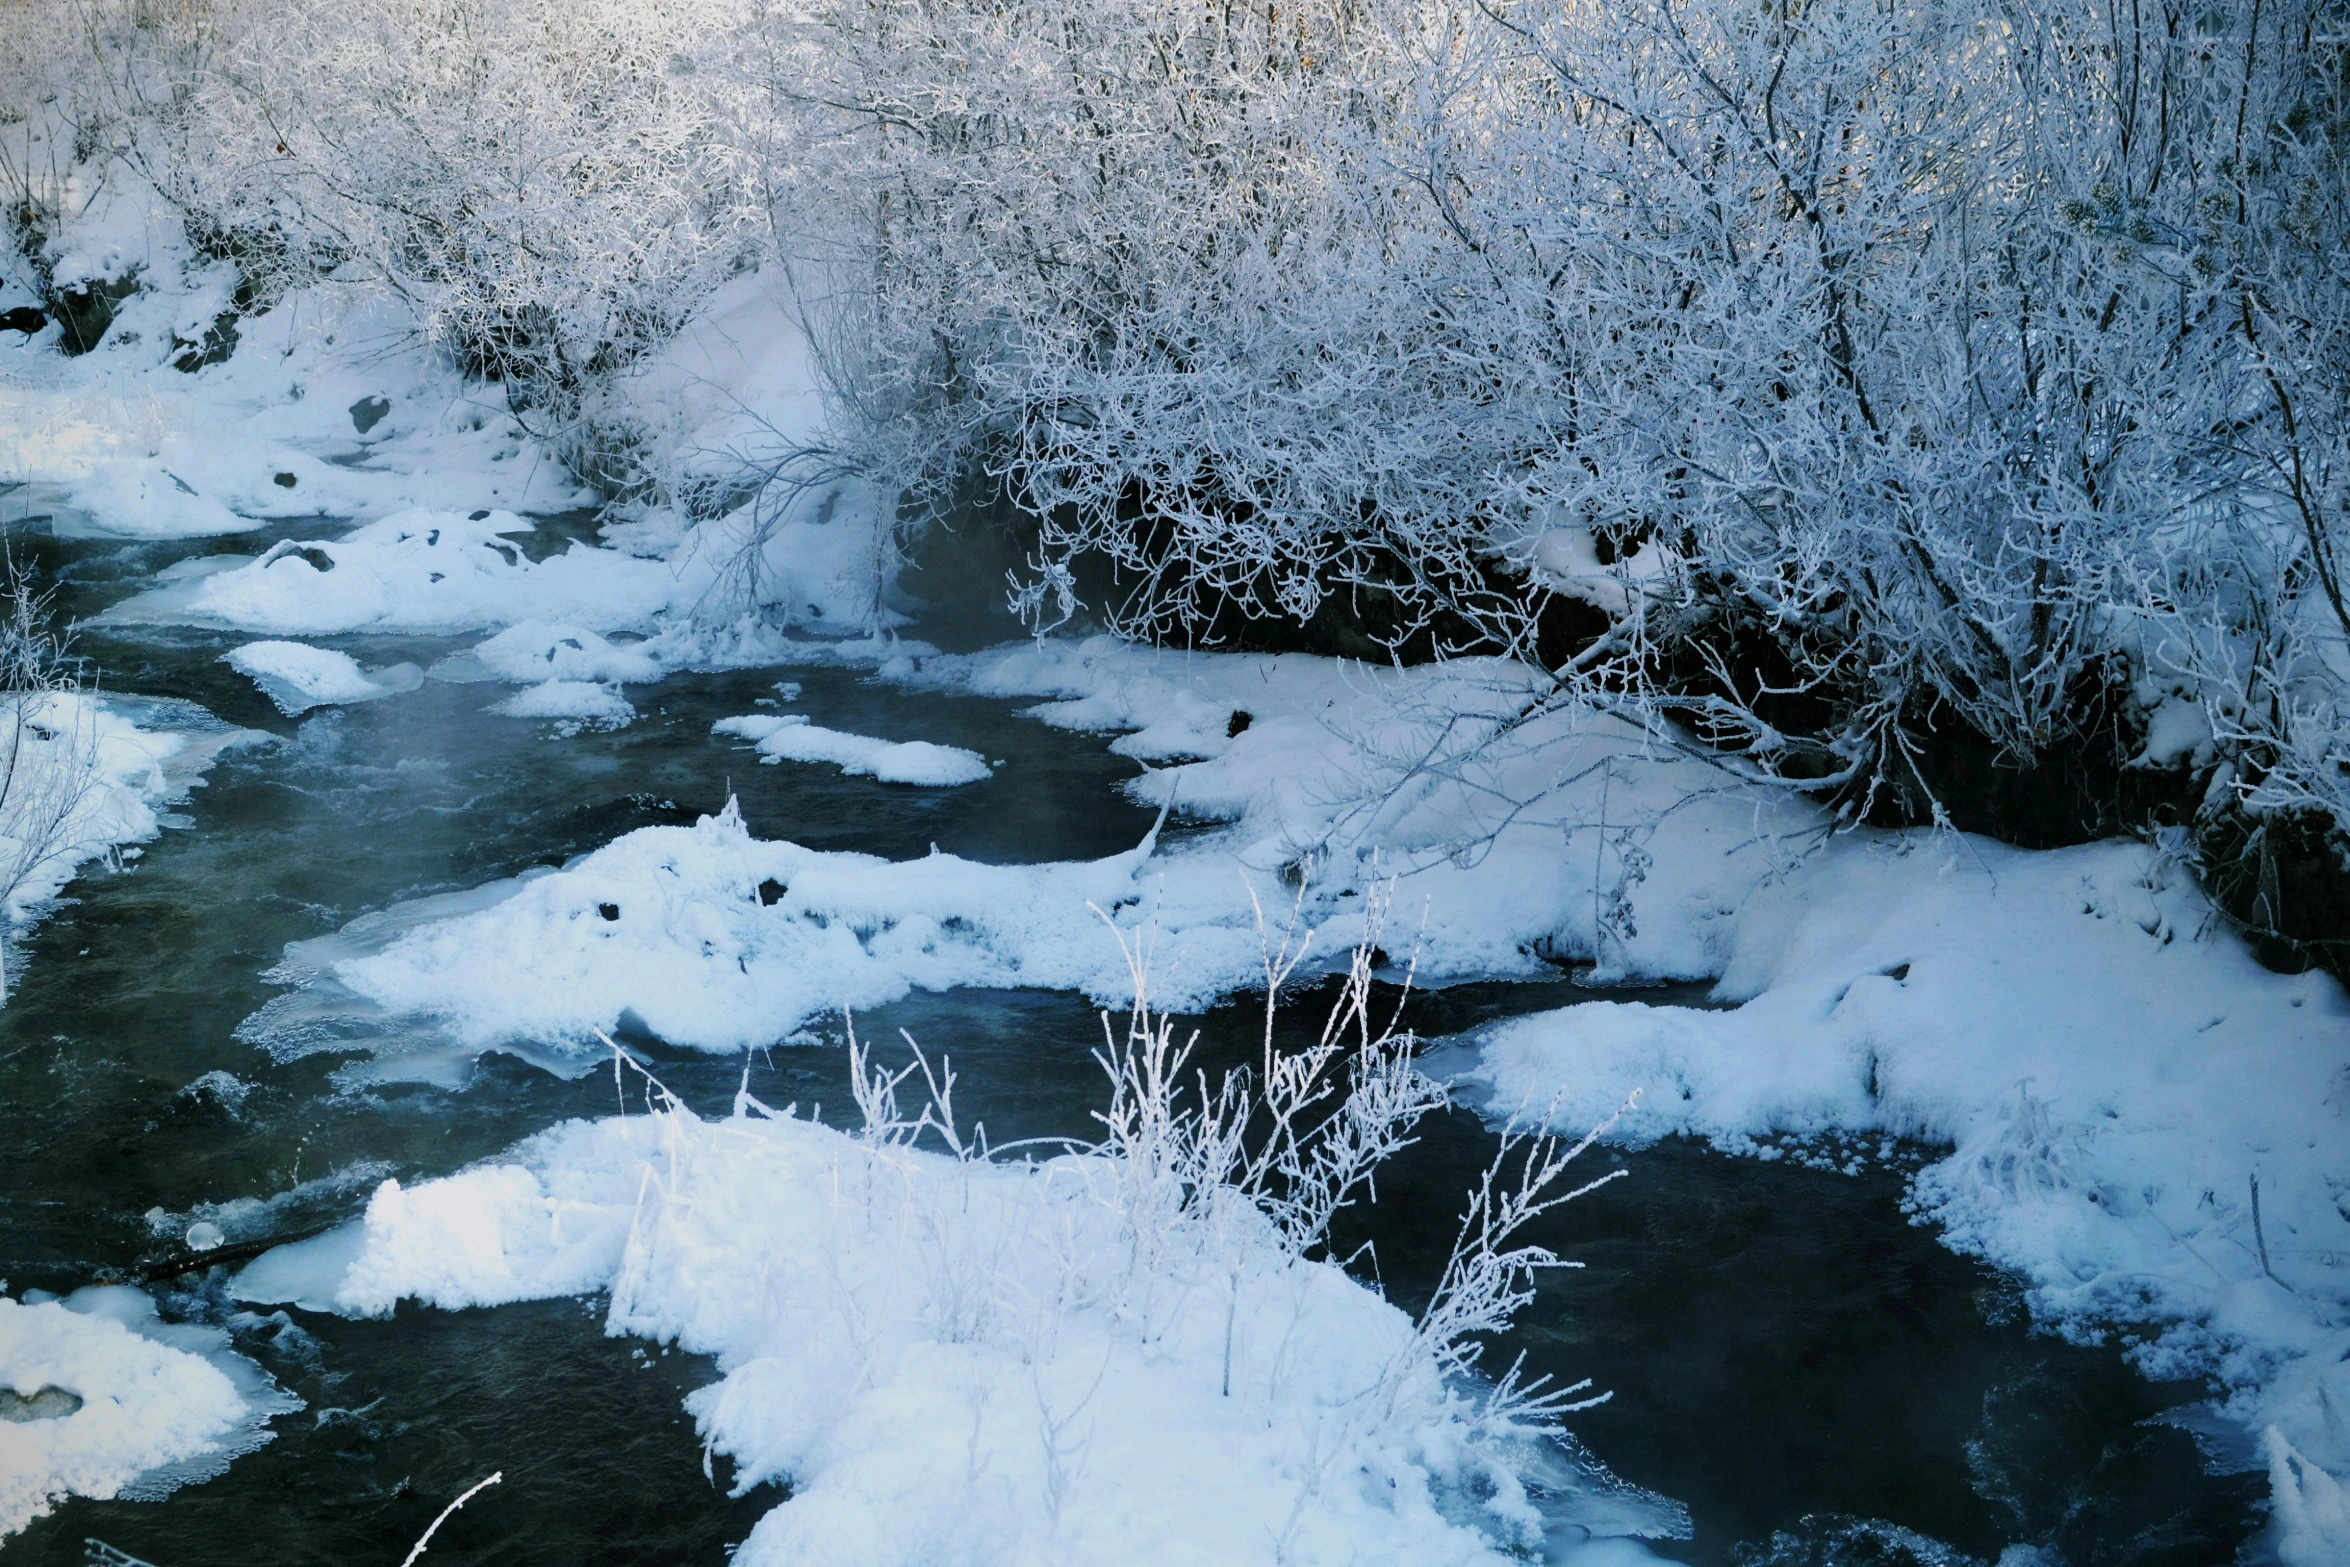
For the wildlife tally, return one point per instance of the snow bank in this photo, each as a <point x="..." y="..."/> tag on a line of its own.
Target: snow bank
<point x="418" y="571"/>
<point x="717" y="941"/>
<point x="116" y="1403"/>
<point x="2146" y="1125"/>
<point x="141" y="498"/>
<point x="90" y="776"/>
<point x="792" y="738"/>
<point x="951" y="1361"/>
<point x="329" y="417"/>
<point x="298" y="677"/>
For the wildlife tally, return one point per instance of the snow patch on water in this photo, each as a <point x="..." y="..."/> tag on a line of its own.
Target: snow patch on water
<point x="579" y="702"/>
<point x="298" y="677"/>
<point x="160" y="1405"/>
<point x="794" y="739"/>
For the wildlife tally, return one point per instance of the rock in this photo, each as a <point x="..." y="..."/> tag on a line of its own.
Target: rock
<point x="369" y="412"/>
<point x="48" y="1403"/>
<point x="218" y="342"/>
<point x="284" y="481"/>
<point x="27" y="319"/>
<point x="85" y="312"/>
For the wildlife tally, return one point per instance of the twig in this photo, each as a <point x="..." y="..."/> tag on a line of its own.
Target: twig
<point x="478" y="1488"/>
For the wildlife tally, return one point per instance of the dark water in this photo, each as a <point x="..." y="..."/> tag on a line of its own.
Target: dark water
<point x="1790" y="1358"/>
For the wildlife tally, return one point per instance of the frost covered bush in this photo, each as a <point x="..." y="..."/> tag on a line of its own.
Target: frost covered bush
<point x="1816" y="384"/>
<point x="541" y="182"/>
<point x="48" y="748"/>
<point x="544" y="184"/>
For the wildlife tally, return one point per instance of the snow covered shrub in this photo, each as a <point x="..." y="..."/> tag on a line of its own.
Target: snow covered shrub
<point x="1152" y="267"/>
<point x="48" y="752"/>
<point x="1814" y="383"/>
<point x="537" y="180"/>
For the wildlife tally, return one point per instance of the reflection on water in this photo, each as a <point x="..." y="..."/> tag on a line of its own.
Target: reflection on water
<point x="1804" y="1370"/>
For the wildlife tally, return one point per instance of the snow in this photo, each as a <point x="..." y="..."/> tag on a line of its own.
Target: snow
<point x="2312" y="1508"/>
<point x="956" y="1361"/>
<point x="794" y="739"/>
<point x="298" y="677"/>
<point x="168" y="1404"/>
<point x="133" y="445"/>
<point x="142" y="498"/>
<point x="91" y="775"/>
<point x="2108" y="1066"/>
<point x="415" y="571"/>
<point x="534" y="650"/>
<point x="579" y="701"/>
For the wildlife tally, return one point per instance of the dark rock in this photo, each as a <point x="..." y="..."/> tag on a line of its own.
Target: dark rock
<point x="218" y="342"/>
<point x="48" y="1403"/>
<point x="771" y="893"/>
<point x="610" y="911"/>
<point x="1237" y="725"/>
<point x="284" y="481"/>
<point x="369" y="412"/>
<point x="27" y="319"/>
<point x="317" y="559"/>
<point x="85" y="313"/>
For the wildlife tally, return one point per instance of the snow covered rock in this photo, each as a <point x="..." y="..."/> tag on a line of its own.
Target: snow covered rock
<point x="574" y="702"/>
<point x="298" y="677"/>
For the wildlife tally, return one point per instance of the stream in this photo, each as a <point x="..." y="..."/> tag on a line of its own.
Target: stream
<point x="1812" y="1376"/>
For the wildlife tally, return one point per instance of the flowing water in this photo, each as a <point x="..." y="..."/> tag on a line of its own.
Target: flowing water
<point x="1810" y="1375"/>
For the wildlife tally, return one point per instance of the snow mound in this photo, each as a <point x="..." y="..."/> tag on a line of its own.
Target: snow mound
<point x="535" y="651"/>
<point x="418" y="571"/>
<point x="793" y="738"/>
<point x="954" y="1360"/>
<point x="718" y="941"/>
<point x="2311" y="1507"/>
<point x="140" y="498"/>
<point x="579" y="701"/>
<point x="111" y="1402"/>
<point x="298" y="677"/>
